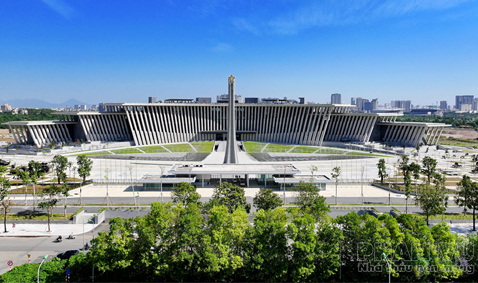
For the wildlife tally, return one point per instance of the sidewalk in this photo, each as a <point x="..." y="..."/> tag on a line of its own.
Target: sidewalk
<point x="40" y="230"/>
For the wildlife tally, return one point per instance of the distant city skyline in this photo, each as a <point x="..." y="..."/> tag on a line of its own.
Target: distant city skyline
<point x="105" y="51"/>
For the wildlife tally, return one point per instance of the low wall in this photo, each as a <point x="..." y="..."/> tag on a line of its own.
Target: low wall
<point x="83" y="217"/>
<point x="390" y="189"/>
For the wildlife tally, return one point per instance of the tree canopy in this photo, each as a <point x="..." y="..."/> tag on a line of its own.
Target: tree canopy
<point x="185" y="193"/>
<point x="266" y="199"/>
<point x="230" y="195"/>
<point x="181" y="243"/>
<point x="84" y="166"/>
<point x="60" y="163"/>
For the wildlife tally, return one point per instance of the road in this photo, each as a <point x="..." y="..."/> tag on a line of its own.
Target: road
<point x="395" y="199"/>
<point x="17" y="248"/>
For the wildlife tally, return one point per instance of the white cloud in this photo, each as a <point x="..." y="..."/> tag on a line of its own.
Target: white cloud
<point x="323" y="13"/>
<point x="60" y="7"/>
<point x="222" y="48"/>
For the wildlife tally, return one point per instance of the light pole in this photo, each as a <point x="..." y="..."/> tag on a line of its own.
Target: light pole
<point x="389" y="200"/>
<point x="162" y="172"/>
<point x="283" y="185"/>
<point x="84" y="233"/>
<point x="38" y="274"/>
<point x="389" y="270"/>
<point x="130" y="167"/>
<point x="363" y="169"/>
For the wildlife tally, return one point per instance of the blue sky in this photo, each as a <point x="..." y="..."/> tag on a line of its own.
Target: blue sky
<point x="124" y="51"/>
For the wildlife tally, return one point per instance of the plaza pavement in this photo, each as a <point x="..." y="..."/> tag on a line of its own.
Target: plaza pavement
<point x="40" y="230"/>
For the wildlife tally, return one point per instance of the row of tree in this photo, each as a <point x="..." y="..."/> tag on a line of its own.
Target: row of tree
<point x="50" y="196"/>
<point x="215" y="241"/>
<point x="433" y="199"/>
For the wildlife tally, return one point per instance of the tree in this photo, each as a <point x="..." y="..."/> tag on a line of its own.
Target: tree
<point x="34" y="169"/>
<point x="26" y="181"/>
<point x="230" y="195"/>
<point x="407" y="180"/>
<point x="415" y="170"/>
<point x="221" y="243"/>
<point x="382" y="170"/>
<point x="336" y="175"/>
<point x="313" y="169"/>
<point x="65" y="188"/>
<point x="60" y="164"/>
<point x="266" y="199"/>
<point x="4" y="199"/>
<point x="432" y="199"/>
<point x="467" y="196"/>
<point x="301" y="231"/>
<point x="429" y="167"/>
<point x="50" y="197"/>
<point x="310" y="202"/>
<point x="267" y="252"/>
<point x="464" y="194"/>
<point x="185" y="194"/>
<point x="84" y="166"/>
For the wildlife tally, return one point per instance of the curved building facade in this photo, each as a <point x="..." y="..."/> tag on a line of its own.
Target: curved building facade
<point x="290" y="123"/>
<point x="157" y="123"/>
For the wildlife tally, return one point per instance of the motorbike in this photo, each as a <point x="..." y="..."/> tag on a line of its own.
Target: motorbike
<point x="71" y="237"/>
<point x="58" y="240"/>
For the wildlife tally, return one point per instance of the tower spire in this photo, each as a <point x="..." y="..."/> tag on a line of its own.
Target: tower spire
<point x="231" y="148"/>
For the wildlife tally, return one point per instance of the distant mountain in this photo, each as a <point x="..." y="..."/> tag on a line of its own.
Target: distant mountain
<point x="37" y="103"/>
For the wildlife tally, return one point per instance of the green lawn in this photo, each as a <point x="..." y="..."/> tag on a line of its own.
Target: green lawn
<point x="458" y="142"/>
<point x="203" y="146"/>
<point x="253" y="146"/>
<point x="94" y="153"/>
<point x="126" y="151"/>
<point x="273" y="147"/>
<point x="153" y="149"/>
<point x="182" y="147"/>
<point x="304" y="149"/>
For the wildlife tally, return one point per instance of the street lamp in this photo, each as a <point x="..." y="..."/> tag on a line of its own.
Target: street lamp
<point x="84" y="233"/>
<point x="38" y="274"/>
<point x="389" y="270"/>
<point x="162" y="172"/>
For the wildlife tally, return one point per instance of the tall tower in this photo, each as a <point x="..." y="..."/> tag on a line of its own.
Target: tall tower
<point x="231" y="148"/>
<point x="336" y="98"/>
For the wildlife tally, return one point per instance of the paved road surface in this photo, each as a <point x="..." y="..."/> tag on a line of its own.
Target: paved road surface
<point x="17" y="248"/>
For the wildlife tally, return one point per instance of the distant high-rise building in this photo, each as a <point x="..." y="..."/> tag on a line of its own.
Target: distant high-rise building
<point x="80" y="107"/>
<point x="224" y="98"/>
<point x="253" y="100"/>
<point x="6" y="107"/>
<point x="302" y="100"/>
<point x="94" y="107"/>
<point x="359" y="103"/>
<point x="474" y="106"/>
<point x="336" y="98"/>
<point x="406" y="105"/>
<point x="444" y="105"/>
<point x="465" y="107"/>
<point x="463" y="99"/>
<point x="203" y="100"/>
<point x="374" y="103"/>
<point x="367" y="105"/>
<point x="352" y="100"/>
<point x="152" y="99"/>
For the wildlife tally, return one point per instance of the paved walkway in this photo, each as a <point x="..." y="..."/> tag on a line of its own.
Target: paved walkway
<point x="40" y="230"/>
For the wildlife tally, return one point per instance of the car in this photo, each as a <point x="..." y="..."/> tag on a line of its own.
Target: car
<point x="66" y="255"/>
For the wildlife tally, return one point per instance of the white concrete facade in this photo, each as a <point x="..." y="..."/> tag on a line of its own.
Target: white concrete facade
<point x="158" y="123"/>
